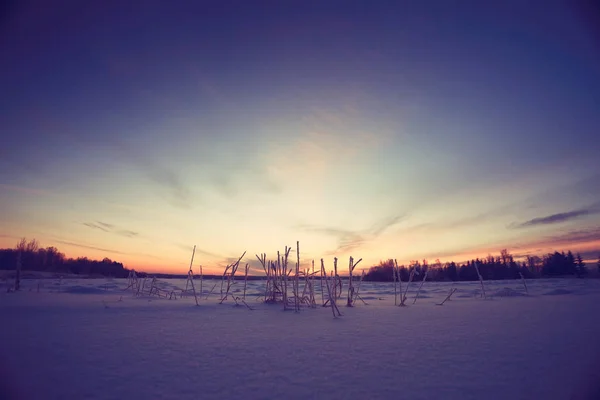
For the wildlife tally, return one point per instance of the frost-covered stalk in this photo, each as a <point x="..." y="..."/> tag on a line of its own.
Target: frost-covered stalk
<point x="410" y="278"/>
<point x="322" y="290"/>
<point x="296" y="279"/>
<point x="245" y="280"/>
<point x="399" y="280"/>
<point x="335" y="275"/>
<point x="394" y="268"/>
<point x="223" y="279"/>
<point x="481" y="281"/>
<point x="337" y="280"/>
<point x="421" y="285"/>
<point x="351" y="267"/>
<point x="211" y="290"/>
<point x="140" y="287"/>
<point x="282" y="283"/>
<point x="285" y="276"/>
<point x="201" y="279"/>
<point x="230" y="278"/>
<point x="330" y="292"/>
<point x="524" y="284"/>
<point x="132" y="281"/>
<point x="267" y="268"/>
<point x="190" y="278"/>
<point x="313" y="301"/>
<point x="448" y="297"/>
<point x="356" y="293"/>
<point x="350" y="288"/>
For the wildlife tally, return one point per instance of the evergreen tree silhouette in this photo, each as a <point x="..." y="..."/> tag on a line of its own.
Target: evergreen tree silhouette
<point x="581" y="270"/>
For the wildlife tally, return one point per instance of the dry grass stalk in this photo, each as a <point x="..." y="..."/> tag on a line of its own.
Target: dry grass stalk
<point x="524" y="284"/>
<point x="337" y="281"/>
<point x="351" y="266"/>
<point x="190" y="277"/>
<point x="269" y="272"/>
<point x="312" y="286"/>
<point x="322" y="284"/>
<point x="356" y="293"/>
<point x="245" y="279"/>
<point x="201" y="280"/>
<point x="284" y="271"/>
<point x="140" y="288"/>
<point x="480" y="281"/>
<point x="211" y="290"/>
<point x="410" y="279"/>
<point x="421" y="285"/>
<point x="325" y="283"/>
<point x="296" y="280"/>
<point x="230" y="278"/>
<point x="394" y="269"/>
<point x="132" y="281"/>
<point x="398" y="279"/>
<point x="447" y="297"/>
<point x="330" y="288"/>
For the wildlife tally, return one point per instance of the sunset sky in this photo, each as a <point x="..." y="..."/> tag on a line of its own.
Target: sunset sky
<point x="404" y="129"/>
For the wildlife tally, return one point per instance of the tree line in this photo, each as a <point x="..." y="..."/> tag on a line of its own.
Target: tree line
<point x="501" y="267"/>
<point x="32" y="257"/>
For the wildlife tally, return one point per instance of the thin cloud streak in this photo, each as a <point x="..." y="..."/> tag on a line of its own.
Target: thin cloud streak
<point x="110" y="228"/>
<point x="557" y="218"/>
<point x="83" y="246"/>
<point x="349" y="240"/>
<point x="198" y="250"/>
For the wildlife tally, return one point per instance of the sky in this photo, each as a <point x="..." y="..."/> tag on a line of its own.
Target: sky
<point x="384" y="129"/>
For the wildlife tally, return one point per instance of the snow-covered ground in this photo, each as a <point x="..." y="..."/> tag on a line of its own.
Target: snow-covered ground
<point x="76" y="340"/>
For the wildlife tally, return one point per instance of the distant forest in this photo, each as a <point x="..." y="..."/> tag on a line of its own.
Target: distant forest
<point x="49" y="259"/>
<point x="490" y="268"/>
<point x="34" y="258"/>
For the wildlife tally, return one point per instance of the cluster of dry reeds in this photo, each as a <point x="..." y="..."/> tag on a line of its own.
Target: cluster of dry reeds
<point x="398" y="283"/>
<point x="281" y="278"/>
<point x="228" y="282"/>
<point x="148" y="287"/>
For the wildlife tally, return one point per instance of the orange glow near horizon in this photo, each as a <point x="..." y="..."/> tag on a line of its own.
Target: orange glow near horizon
<point x="215" y="267"/>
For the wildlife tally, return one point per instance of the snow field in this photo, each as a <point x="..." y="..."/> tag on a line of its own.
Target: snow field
<point x="82" y="342"/>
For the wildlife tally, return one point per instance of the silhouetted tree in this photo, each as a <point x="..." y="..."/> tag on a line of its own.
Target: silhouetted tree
<point x="452" y="271"/>
<point x="30" y="256"/>
<point x="534" y="264"/>
<point x="559" y="264"/>
<point x="382" y="272"/>
<point x="491" y="268"/>
<point x="580" y="266"/>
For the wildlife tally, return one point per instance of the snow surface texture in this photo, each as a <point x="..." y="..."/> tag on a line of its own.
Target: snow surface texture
<point x="89" y="339"/>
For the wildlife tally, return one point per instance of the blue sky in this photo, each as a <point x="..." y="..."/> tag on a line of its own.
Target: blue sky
<point x="374" y="129"/>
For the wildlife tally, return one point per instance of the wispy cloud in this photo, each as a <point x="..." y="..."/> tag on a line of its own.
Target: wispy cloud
<point x="189" y="248"/>
<point x="95" y="226"/>
<point x="103" y="226"/>
<point x="349" y="240"/>
<point x="575" y="236"/>
<point x="557" y="218"/>
<point x="84" y="246"/>
<point x="383" y="225"/>
<point x="178" y="194"/>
